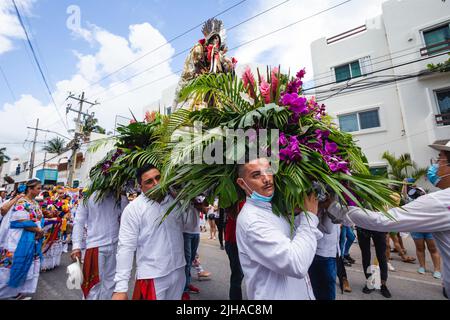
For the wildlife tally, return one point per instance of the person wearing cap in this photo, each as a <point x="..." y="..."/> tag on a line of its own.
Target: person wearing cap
<point x="429" y="213"/>
<point x="101" y="218"/>
<point x="157" y="244"/>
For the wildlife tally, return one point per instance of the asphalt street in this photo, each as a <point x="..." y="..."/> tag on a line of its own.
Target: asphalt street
<point x="405" y="283"/>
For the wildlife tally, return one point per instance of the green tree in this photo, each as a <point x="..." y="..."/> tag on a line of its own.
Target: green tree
<point x="403" y="167"/>
<point x="3" y="157"/>
<point x="91" y="125"/>
<point x="56" y="146"/>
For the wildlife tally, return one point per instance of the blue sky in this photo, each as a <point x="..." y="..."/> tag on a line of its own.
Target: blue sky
<point x="115" y="32"/>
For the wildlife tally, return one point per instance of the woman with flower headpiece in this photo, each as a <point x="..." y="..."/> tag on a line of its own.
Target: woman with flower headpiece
<point x="21" y="255"/>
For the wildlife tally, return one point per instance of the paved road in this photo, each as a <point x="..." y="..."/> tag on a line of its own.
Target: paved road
<point x="405" y="283"/>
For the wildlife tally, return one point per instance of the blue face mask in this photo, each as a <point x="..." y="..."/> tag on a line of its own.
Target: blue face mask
<point x="433" y="175"/>
<point x="257" y="196"/>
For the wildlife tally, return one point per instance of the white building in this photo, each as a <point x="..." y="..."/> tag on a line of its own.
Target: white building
<point x="17" y="170"/>
<point x="374" y="80"/>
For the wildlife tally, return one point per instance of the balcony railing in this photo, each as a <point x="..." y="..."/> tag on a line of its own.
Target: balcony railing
<point x="346" y="34"/>
<point x="443" y="119"/>
<point x="435" y="48"/>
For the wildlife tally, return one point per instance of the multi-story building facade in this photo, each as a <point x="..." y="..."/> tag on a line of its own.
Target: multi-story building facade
<point x="375" y="81"/>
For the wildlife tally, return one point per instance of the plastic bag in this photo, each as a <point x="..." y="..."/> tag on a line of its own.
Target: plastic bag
<point x="75" y="278"/>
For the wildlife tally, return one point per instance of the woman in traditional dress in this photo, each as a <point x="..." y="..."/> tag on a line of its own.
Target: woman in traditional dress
<point x="20" y="257"/>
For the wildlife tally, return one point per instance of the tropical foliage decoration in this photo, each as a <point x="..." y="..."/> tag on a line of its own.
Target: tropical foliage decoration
<point x="313" y="151"/>
<point x="136" y="144"/>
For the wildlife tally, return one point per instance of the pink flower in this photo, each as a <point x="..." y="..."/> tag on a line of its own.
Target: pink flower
<point x="264" y="88"/>
<point x="248" y="78"/>
<point x="274" y="81"/>
<point x="249" y="82"/>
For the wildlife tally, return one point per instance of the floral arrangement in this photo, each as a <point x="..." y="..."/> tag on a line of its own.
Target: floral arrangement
<point x="136" y="144"/>
<point x="312" y="150"/>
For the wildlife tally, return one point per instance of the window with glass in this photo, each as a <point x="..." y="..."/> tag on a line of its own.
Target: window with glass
<point x="348" y="71"/>
<point x="379" y="171"/>
<point x="435" y="36"/>
<point x="443" y="100"/>
<point x="359" y="121"/>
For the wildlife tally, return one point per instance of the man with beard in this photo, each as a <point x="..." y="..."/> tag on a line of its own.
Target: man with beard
<point x="275" y="263"/>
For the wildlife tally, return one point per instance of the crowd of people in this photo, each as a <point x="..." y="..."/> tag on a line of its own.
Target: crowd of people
<point x="107" y="235"/>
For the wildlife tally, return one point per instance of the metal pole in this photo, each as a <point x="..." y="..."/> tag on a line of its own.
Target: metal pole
<point x="30" y="176"/>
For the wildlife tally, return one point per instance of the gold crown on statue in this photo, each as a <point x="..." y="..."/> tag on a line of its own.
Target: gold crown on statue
<point x="211" y="28"/>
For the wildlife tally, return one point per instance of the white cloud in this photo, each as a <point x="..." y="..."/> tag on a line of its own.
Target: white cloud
<point x="10" y="28"/>
<point x="109" y="52"/>
<point x="291" y="47"/>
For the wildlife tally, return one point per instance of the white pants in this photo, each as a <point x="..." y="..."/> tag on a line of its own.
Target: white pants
<point x="106" y="270"/>
<point x="170" y="287"/>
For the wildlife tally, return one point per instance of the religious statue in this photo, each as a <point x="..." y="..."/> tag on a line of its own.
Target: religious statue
<point x="207" y="56"/>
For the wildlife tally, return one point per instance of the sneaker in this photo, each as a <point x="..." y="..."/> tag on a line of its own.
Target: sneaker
<point x="437" y="275"/>
<point x="391" y="267"/>
<point x="421" y="270"/>
<point x="367" y="290"/>
<point x="222" y="248"/>
<point x="385" y="291"/>
<point x="22" y="297"/>
<point x="185" y="296"/>
<point x="349" y="259"/>
<point x="193" y="289"/>
<point x="347" y="264"/>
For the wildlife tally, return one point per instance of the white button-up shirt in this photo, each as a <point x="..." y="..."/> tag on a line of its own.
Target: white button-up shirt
<point x="102" y="220"/>
<point x="429" y="213"/>
<point x="159" y="246"/>
<point x="275" y="264"/>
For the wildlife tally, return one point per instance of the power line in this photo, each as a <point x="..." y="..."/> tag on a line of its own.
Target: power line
<point x="237" y="47"/>
<point x="37" y="61"/>
<point x="381" y="70"/>
<point x="163" y="45"/>
<point x="189" y="48"/>
<point x="8" y="84"/>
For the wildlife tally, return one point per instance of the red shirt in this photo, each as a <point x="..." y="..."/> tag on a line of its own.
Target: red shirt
<point x="230" y="228"/>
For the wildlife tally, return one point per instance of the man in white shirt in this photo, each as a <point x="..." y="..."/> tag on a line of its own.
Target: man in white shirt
<point x="102" y="220"/>
<point x="274" y="261"/>
<point x="158" y="245"/>
<point x="429" y="213"/>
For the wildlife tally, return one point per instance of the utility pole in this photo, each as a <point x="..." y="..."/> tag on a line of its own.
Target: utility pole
<point x="30" y="176"/>
<point x="75" y="144"/>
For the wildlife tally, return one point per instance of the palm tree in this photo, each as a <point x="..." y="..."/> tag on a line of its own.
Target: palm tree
<point x="91" y="125"/>
<point x="403" y="167"/>
<point x="56" y="146"/>
<point x="3" y="157"/>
